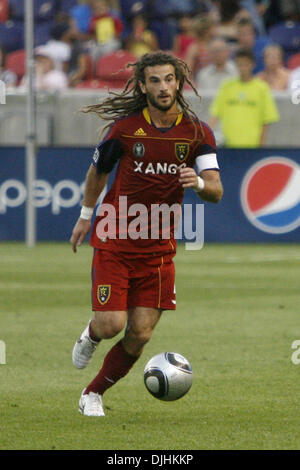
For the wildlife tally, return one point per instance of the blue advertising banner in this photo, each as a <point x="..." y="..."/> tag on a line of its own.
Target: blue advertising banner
<point x="261" y="200"/>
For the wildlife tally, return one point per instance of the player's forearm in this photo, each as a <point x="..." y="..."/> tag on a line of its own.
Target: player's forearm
<point x="94" y="185"/>
<point x="212" y="191"/>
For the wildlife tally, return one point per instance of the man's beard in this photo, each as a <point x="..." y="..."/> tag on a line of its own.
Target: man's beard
<point x="156" y="105"/>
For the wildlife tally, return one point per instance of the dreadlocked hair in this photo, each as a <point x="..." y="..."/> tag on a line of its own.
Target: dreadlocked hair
<point x="133" y="100"/>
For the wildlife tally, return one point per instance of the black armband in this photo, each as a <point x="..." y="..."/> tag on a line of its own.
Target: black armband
<point x="109" y="153"/>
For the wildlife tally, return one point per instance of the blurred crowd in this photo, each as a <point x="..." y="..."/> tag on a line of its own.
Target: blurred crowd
<point x="84" y="43"/>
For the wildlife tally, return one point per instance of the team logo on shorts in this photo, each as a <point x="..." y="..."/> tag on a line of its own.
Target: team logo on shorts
<point x="181" y="151"/>
<point x="139" y="150"/>
<point x="103" y="293"/>
<point x="270" y="195"/>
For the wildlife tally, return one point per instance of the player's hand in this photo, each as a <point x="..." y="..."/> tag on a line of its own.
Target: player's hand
<point x="188" y="177"/>
<point x="79" y="233"/>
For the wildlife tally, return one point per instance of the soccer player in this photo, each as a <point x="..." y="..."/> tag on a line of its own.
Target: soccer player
<point x="156" y="140"/>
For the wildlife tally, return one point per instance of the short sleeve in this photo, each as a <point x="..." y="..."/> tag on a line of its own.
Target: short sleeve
<point x="108" y="152"/>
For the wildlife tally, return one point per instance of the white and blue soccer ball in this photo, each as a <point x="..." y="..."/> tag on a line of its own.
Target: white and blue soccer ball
<point x="168" y="376"/>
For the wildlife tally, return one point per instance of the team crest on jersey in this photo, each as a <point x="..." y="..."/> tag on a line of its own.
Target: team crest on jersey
<point x="181" y="151"/>
<point x="139" y="150"/>
<point x="103" y="293"/>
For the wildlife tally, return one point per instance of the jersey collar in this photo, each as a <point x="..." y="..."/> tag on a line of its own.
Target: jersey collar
<point x="148" y="118"/>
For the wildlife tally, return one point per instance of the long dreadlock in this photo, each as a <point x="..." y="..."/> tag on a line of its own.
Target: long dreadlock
<point x="132" y="100"/>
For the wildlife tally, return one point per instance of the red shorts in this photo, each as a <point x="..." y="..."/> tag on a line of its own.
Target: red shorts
<point x="121" y="281"/>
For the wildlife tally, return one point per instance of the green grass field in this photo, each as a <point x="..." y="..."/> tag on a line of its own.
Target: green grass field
<point x="237" y="316"/>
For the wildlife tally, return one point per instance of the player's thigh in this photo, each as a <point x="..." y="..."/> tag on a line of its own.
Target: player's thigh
<point x="109" y="282"/>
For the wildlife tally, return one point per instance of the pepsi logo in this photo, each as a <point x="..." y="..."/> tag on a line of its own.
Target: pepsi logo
<point x="270" y="195"/>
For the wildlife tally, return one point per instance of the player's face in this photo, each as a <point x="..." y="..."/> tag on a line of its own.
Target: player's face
<point x="160" y="86"/>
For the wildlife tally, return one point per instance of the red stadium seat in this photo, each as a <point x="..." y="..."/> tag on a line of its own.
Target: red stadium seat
<point x="294" y="61"/>
<point x="112" y="68"/>
<point x="4" y="11"/>
<point x="15" y="61"/>
<point x="91" y="84"/>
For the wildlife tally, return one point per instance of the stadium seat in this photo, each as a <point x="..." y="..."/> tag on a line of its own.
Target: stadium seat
<point x="287" y="35"/>
<point x="12" y="36"/>
<point x="42" y="32"/>
<point x="4" y="11"/>
<point x="111" y="68"/>
<point x="294" y="61"/>
<point x="101" y="84"/>
<point x="90" y="84"/>
<point x="15" y="61"/>
<point x="67" y="5"/>
<point x="44" y="10"/>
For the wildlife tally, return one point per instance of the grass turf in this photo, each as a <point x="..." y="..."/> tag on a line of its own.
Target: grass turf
<point x="237" y="316"/>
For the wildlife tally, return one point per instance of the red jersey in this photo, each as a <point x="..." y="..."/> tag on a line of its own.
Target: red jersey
<point x="146" y="178"/>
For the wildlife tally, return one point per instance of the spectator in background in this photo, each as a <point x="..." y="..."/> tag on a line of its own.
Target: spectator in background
<point x="227" y="20"/>
<point x="221" y="68"/>
<point x="198" y="54"/>
<point x="129" y="9"/>
<point x="7" y="76"/>
<point x="275" y="74"/>
<point x="185" y="37"/>
<point x="47" y="77"/>
<point x="256" y="8"/>
<point x="82" y="15"/>
<point x="164" y="16"/>
<point x="270" y="11"/>
<point x="59" y="47"/>
<point x="247" y="39"/>
<point x="105" y="28"/>
<point x="142" y="40"/>
<point x="287" y="33"/>
<point x="245" y="106"/>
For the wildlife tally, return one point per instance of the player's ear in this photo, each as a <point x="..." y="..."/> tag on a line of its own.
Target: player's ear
<point x="142" y="87"/>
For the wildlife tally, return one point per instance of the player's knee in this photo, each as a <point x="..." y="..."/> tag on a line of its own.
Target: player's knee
<point x="141" y="337"/>
<point x="109" y="325"/>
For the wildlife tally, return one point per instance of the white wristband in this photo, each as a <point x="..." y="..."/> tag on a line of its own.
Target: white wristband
<point x="86" y="212"/>
<point x="200" y="185"/>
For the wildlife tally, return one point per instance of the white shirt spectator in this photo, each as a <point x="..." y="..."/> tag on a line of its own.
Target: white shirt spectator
<point x="58" y="51"/>
<point x="211" y="77"/>
<point x="53" y="80"/>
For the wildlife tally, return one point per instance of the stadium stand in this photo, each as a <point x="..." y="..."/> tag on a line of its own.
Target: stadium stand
<point x="294" y="61"/>
<point x="111" y="71"/>
<point x="12" y="35"/>
<point x="15" y="61"/>
<point x="44" y="10"/>
<point x="4" y="11"/>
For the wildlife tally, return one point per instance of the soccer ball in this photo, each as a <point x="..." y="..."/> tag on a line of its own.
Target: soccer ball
<point x="168" y="376"/>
